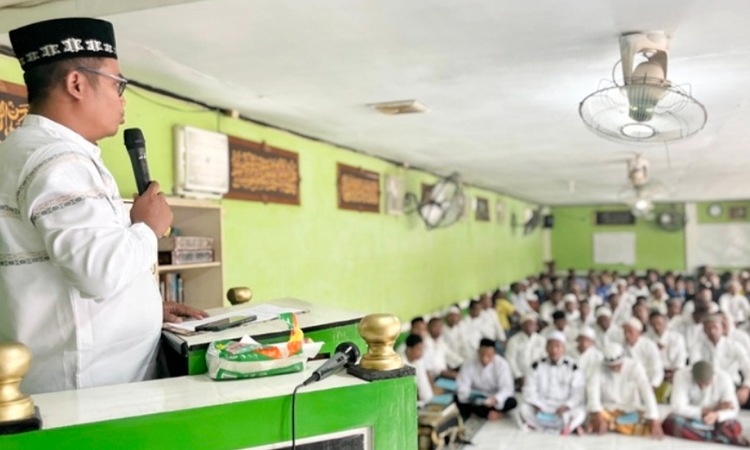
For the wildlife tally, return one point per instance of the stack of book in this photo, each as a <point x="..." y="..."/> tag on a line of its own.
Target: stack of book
<point x="186" y="250"/>
<point x="171" y="287"/>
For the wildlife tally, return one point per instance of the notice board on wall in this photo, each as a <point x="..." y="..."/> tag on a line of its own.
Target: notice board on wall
<point x="614" y="248"/>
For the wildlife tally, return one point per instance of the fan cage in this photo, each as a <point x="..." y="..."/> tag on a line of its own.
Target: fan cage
<point x="642" y="113"/>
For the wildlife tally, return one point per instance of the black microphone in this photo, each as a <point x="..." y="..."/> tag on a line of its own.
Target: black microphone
<point x="136" y="145"/>
<point x="346" y="354"/>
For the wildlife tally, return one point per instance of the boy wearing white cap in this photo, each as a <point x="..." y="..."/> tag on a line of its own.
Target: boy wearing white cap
<point x="554" y="392"/>
<point x="620" y="397"/>
<point x="524" y="348"/>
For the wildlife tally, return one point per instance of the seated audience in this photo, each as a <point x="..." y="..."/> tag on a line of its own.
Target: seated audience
<point x="485" y="384"/>
<point x="735" y="334"/>
<point x="560" y="323"/>
<point x="554" y="394"/>
<point x="671" y="348"/>
<point x="605" y="332"/>
<point x="506" y="312"/>
<point x="413" y="357"/>
<point x="589" y="357"/>
<point x="735" y="304"/>
<point x="491" y="328"/>
<point x="674" y="309"/>
<point x="704" y="407"/>
<point x="518" y="296"/>
<point x="472" y="327"/>
<point x="722" y="352"/>
<point x="644" y="351"/>
<point x="690" y="326"/>
<point x="453" y="334"/>
<point x="658" y="298"/>
<point x="640" y="311"/>
<point x="585" y="316"/>
<point x="524" y="347"/>
<point x="570" y="307"/>
<point x="440" y="360"/>
<point x="554" y="303"/>
<point x="620" y="397"/>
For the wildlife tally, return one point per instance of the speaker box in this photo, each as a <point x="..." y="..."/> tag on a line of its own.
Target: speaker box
<point x="549" y="221"/>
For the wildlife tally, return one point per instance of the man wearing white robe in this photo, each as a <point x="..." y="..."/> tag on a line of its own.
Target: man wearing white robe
<point x="524" y="347"/>
<point x="671" y="348"/>
<point x="722" y="352"/>
<point x="589" y="357"/>
<point x="644" y="351"/>
<point x="439" y="357"/>
<point x="519" y="297"/>
<point x="554" y="394"/>
<point x="77" y="280"/>
<point x="605" y="330"/>
<point x="473" y="328"/>
<point x="704" y="406"/>
<point x="453" y="334"/>
<point x="485" y="384"/>
<point x="620" y="397"/>
<point x="413" y="356"/>
<point x="735" y="304"/>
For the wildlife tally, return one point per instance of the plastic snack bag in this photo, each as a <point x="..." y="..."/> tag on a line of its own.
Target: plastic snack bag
<point x="229" y="360"/>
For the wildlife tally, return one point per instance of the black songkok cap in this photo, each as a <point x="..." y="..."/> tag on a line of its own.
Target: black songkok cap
<point x="58" y="39"/>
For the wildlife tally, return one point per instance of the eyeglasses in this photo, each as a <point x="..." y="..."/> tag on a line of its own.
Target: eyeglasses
<point x="121" y="82"/>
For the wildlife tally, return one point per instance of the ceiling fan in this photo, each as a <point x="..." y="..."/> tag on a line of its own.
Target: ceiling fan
<point x="641" y="190"/>
<point x="646" y="107"/>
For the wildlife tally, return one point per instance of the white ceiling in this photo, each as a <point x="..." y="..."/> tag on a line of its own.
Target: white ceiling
<point x="502" y="79"/>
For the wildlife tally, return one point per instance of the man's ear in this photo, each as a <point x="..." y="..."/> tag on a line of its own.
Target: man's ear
<point x="76" y="84"/>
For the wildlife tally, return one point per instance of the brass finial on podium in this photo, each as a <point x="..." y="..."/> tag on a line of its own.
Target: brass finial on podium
<point x="380" y="331"/>
<point x="238" y="295"/>
<point x="17" y="411"/>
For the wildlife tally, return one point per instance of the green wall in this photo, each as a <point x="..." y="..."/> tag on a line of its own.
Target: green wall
<point x="316" y="252"/>
<point x="573" y="232"/>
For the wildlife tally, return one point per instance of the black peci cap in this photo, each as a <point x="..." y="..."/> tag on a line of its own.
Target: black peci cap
<point x="58" y="39"/>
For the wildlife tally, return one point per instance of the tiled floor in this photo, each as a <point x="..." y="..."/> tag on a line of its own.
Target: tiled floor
<point x="505" y="435"/>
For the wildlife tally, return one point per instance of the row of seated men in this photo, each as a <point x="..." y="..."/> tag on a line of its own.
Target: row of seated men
<point x="649" y="343"/>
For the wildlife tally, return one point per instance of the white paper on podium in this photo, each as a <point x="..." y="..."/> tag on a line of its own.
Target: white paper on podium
<point x="263" y="312"/>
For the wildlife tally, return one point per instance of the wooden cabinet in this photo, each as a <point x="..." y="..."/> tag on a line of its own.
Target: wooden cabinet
<point x="203" y="285"/>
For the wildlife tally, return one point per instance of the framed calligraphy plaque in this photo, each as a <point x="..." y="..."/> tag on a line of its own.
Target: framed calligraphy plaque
<point x="482" y="212"/>
<point x="262" y="173"/>
<point x="13" y="107"/>
<point x="358" y="189"/>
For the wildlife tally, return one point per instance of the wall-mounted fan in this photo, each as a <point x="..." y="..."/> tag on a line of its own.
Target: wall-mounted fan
<point x="646" y="107"/>
<point x="443" y="205"/>
<point x="671" y="219"/>
<point x="531" y="221"/>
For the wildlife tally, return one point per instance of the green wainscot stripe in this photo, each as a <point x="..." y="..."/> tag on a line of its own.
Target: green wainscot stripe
<point x="381" y="405"/>
<point x="330" y="336"/>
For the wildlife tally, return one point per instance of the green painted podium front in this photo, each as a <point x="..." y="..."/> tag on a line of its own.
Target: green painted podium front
<point x="194" y="412"/>
<point x="186" y="355"/>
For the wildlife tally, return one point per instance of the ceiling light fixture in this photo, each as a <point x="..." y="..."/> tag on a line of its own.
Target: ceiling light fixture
<point x="400" y="107"/>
